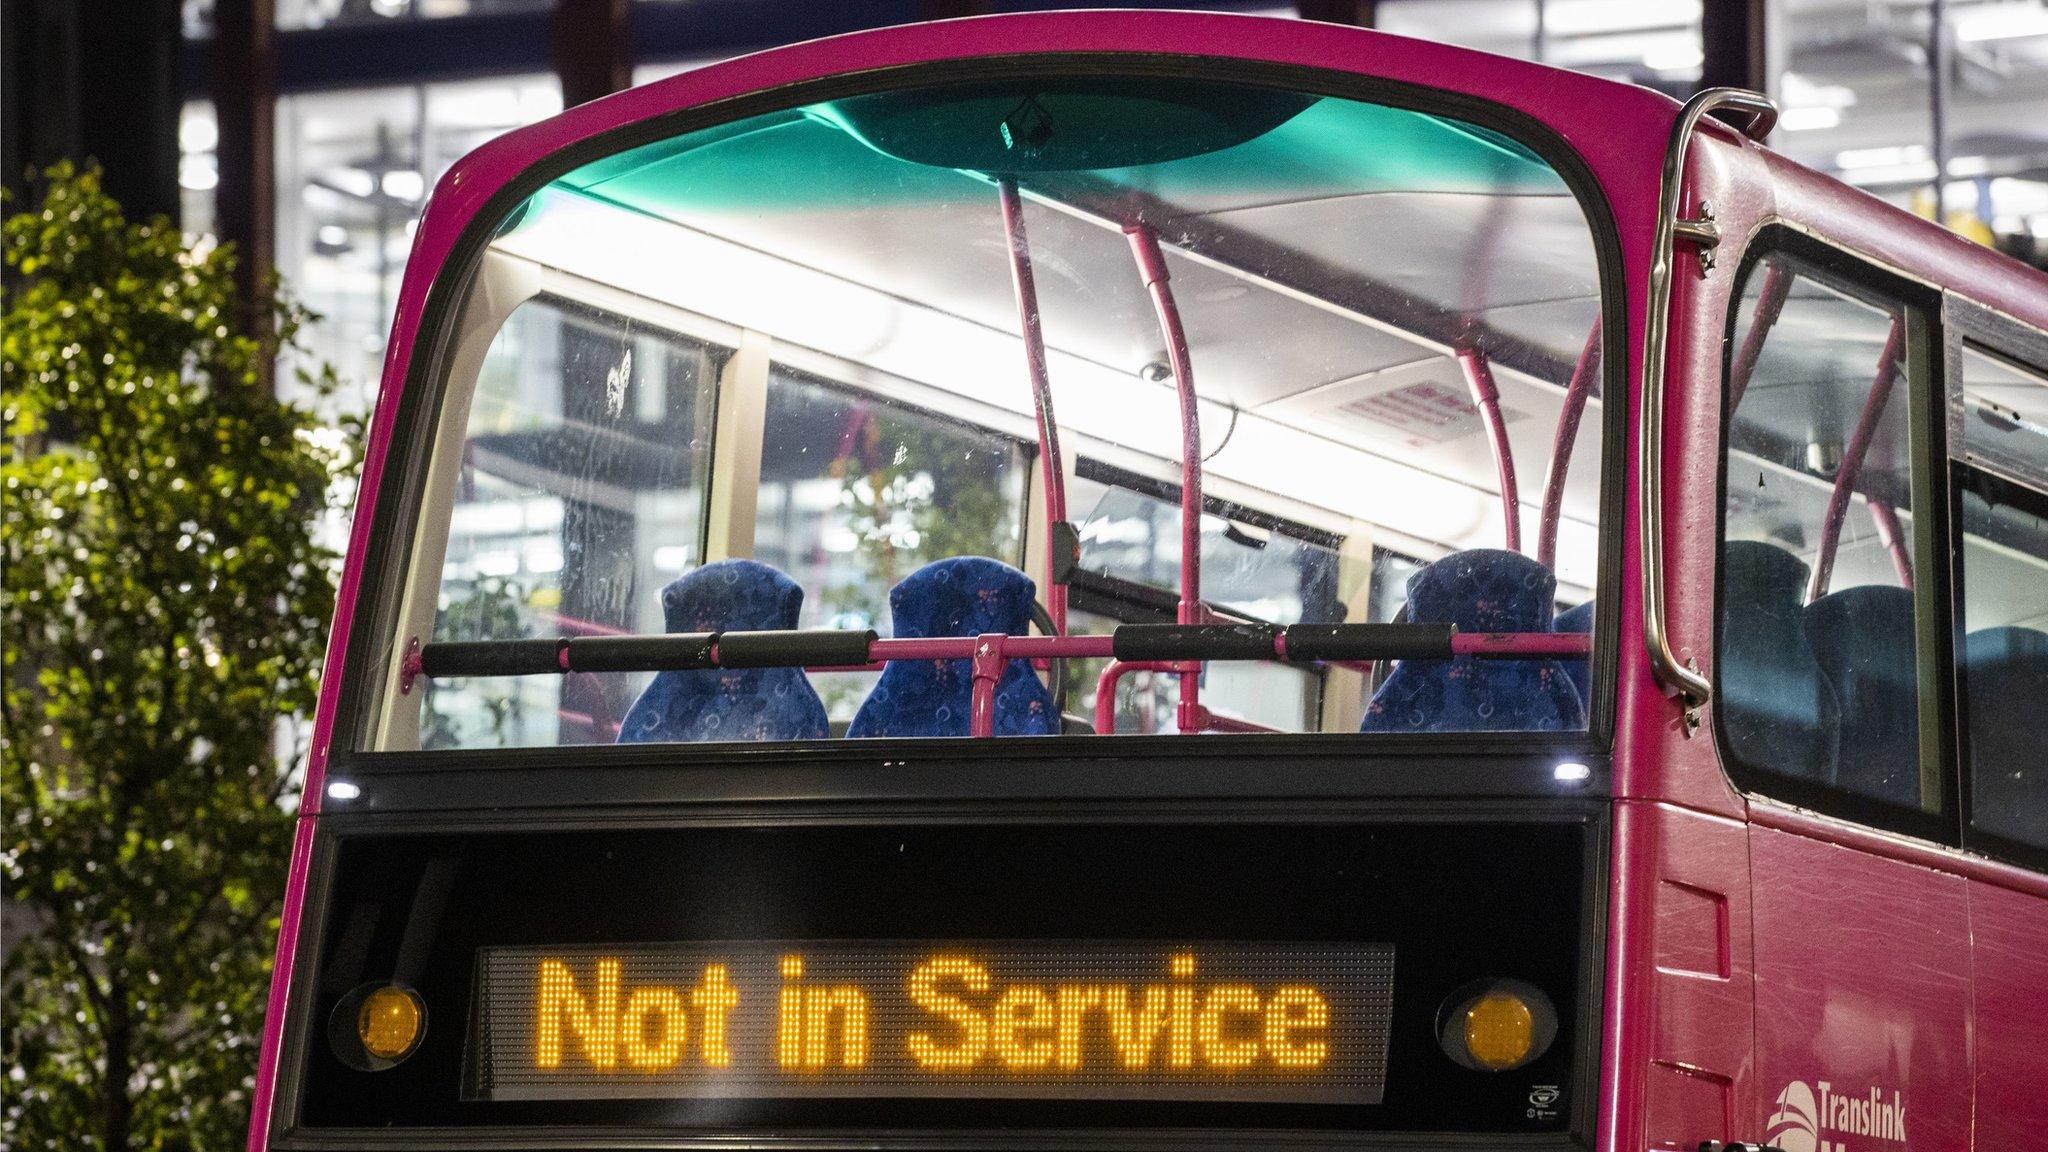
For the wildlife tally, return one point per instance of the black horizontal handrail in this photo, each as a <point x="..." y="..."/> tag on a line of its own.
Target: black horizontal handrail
<point x="840" y="648"/>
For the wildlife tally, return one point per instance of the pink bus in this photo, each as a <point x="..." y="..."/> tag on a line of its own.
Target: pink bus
<point x="1070" y="581"/>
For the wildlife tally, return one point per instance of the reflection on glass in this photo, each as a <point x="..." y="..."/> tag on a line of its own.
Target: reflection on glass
<point x="2002" y="481"/>
<point x="1323" y="253"/>
<point x="857" y="493"/>
<point x="583" y="479"/>
<point x="1252" y="564"/>
<point x="1819" y="673"/>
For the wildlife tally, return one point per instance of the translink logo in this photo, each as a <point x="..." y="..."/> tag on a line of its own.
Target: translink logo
<point x="1806" y="1121"/>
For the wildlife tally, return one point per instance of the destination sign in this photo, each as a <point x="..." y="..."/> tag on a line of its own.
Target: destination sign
<point x="1281" y="1022"/>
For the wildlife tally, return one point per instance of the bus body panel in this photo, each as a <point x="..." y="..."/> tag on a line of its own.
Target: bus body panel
<point x="1883" y="928"/>
<point x="1580" y="108"/>
<point x="1865" y="943"/>
<point x="2009" y="966"/>
<point x="1690" y="1005"/>
<point x="1619" y="128"/>
<point x="1656" y="757"/>
<point x="1862" y="986"/>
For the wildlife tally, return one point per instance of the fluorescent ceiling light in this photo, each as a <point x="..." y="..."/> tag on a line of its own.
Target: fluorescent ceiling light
<point x="1676" y="55"/>
<point x="1891" y="174"/>
<point x="1606" y="17"/>
<point x="354" y="181"/>
<point x="404" y="184"/>
<point x="197" y="172"/>
<point x="198" y="131"/>
<point x="1809" y="118"/>
<point x="1888" y="157"/>
<point x="1801" y="92"/>
<point x="2000" y="22"/>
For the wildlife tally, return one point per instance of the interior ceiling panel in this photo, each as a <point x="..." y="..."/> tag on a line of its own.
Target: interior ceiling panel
<point x="1465" y="252"/>
<point x="1319" y="279"/>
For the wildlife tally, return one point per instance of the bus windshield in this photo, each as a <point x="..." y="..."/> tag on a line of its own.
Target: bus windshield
<point x="916" y="366"/>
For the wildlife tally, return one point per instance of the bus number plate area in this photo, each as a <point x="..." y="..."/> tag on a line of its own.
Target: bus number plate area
<point x="1279" y="1022"/>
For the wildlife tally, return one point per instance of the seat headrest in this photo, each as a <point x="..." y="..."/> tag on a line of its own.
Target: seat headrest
<point x="731" y="596"/>
<point x="1484" y="590"/>
<point x="2007" y="643"/>
<point x="1878" y="615"/>
<point x="1579" y="619"/>
<point x="963" y="596"/>
<point x="1765" y="572"/>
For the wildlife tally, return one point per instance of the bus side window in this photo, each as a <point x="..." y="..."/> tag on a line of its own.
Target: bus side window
<point x="584" y="466"/>
<point x="1999" y="470"/>
<point x="858" y="492"/>
<point x="1817" y="674"/>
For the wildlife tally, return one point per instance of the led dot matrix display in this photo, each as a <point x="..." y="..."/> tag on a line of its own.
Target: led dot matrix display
<point x="1079" y="1019"/>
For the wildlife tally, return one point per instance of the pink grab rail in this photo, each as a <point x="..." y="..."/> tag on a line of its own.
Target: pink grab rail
<point x="1031" y="325"/>
<point x="1152" y="267"/>
<point x="1852" y="459"/>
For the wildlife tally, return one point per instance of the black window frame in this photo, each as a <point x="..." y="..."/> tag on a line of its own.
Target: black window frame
<point x="1926" y="385"/>
<point x="1970" y="325"/>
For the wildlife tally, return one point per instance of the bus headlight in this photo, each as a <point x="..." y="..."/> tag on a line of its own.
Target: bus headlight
<point x="377" y="1026"/>
<point x="1496" y="1025"/>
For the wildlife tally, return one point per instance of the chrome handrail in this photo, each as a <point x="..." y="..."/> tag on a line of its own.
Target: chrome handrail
<point x="1686" y="680"/>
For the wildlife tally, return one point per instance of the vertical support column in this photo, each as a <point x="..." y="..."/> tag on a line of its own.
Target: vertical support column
<point x="93" y="80"/>
<point x="1152" y="268"/>
<point x="1356" y="13"/>
<point x="593" y="48"/>
<point x="736" y="451"/>
<point x="1939" y="62"/>
<point x="1486" y="398"/>
<point x="1344" y="689"/>
<point x="1741" y="45"/>
<point x="128" y="99"/>
<point x="1058" y="533"/>
<point x="245" y="106"/>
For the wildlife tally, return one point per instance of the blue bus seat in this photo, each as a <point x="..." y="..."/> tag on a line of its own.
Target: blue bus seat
<point x="1778" y="709"/>
<point x="1580" y="669"/>
<point x="728" y="703"/>
<point x="1863" y="639"/>
<point x="2005" y="679"/>
<point x="963" y="596"/>
<point x="1480" y="590"/>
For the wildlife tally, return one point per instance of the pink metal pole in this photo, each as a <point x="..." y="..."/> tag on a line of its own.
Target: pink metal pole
<point x="1228" y="724"/>
<point x="1152" y="266"/>
<point x="1486" y="397"/>
<point x="1106" y="684"/>
<point x="1576" y="393"/>
<point x="1852" y="460"/>
<point x="988" y="669"/>
<point x="1041" y="394"/>
<point x="1113" y="674"/>
<point x="1770" y="302"/>
<point x="1886" y="518"/>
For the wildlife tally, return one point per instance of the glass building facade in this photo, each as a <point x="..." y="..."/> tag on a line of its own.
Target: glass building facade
<point x="353" y="164"/>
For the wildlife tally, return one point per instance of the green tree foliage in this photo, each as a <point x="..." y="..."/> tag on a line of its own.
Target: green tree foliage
<point x="166" y="597"/>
